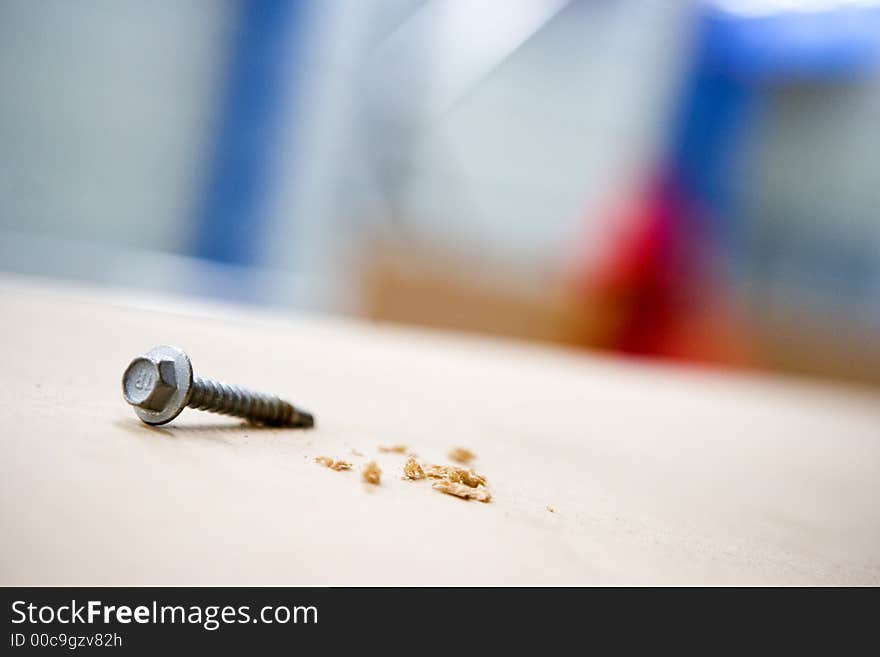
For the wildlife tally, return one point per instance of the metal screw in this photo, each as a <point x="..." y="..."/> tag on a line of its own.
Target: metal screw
<point x="160" y="384"/>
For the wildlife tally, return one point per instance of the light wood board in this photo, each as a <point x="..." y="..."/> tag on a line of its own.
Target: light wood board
<point x="658" y="475"/>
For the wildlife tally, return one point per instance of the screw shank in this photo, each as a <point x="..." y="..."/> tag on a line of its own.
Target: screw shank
<point x="256" y="407"/>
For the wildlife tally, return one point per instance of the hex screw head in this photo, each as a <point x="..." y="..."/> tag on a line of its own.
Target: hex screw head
<point x="148" y="384"/>
<point x="160" y="384"/>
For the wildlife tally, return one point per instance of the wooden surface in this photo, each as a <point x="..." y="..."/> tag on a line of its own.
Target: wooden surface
<point x="656" y="475"/>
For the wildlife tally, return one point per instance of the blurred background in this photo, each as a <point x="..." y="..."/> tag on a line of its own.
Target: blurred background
<point x="691" y="180"/>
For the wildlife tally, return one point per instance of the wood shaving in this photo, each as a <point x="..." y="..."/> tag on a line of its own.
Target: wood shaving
<point x="412" y="470"/>
<point x="354" y="452"/>
<point x="462" y="455"/>
<point x="461" y="490"/>
<point x="461" y="482"/>
<point x="456" y="475"/>
<point x="327" y="462"/>
<point x="435" y="471"/>
<point x="372" y="473"/>
<point x="551" y="509"/>
<point x="395" y="449"/>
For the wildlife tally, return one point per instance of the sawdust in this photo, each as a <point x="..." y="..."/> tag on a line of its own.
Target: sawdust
<point x="371" y="473"/>
<point x="463" y="491"/>
<point x="327" y="462"/>
<point x="456" y="475"/>
<point x="450" y="479"/>
<point x="462" y="455"/>
<point x="461" y="482"/>
<point x="435" y="471"/>
<point x="393" y="449"/>
<point x="412" y="470"/>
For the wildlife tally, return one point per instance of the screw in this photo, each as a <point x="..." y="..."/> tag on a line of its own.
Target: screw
<point x="160" y="384"/>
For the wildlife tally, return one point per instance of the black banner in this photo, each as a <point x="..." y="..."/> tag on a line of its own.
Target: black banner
<point x="146" y="620"/>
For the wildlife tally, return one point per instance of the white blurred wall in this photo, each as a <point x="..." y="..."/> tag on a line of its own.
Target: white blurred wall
<point x="106" y="112"/>
<point x="476" y="126"/>
<point x="417" y="133"/>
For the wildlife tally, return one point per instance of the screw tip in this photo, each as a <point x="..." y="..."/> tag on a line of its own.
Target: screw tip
<point x="304" y="420"/>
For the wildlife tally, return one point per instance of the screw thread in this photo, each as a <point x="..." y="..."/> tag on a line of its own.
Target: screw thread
<point x="256" y="407"/>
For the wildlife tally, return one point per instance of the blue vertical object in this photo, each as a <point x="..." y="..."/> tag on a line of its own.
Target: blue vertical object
<point x="707" y="143"/>
<point x="232" y="223"/>
<point x="738" y="61"/>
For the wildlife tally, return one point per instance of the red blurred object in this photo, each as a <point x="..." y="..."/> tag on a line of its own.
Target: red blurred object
<point x="658" y="288"/>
